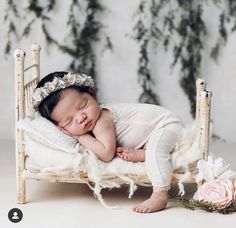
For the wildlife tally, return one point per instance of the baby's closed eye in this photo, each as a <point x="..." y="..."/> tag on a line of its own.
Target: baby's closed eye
<point x="84" y="105"/>
<point x="68" y="124"/>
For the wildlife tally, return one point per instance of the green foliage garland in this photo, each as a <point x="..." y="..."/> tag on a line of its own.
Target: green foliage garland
<point x="83" y="36"/>
<point x="142" y="35"/>
<point x="207" y="206"/>
<point x="191" y="30"/>
<point x="11" y="12"/>
<point x="227" y="25"/>
<point x="183" y="19"/>
<point x="168" y="19"/>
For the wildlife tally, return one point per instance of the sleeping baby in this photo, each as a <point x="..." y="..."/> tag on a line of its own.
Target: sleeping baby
<point x="134" y="132"/>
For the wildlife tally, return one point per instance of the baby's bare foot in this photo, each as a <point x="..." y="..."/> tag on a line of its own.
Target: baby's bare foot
<point x="131" y="154"/>
<point x="156" y="202"/>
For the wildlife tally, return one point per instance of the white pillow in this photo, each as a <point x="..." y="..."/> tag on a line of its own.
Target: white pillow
<point x="45" y="132"/>
<point x="45" y="159"/>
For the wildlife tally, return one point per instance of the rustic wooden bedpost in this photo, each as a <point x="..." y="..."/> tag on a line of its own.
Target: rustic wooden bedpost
<point x="204" y="116"/>
<point x="200" y="86"/>
<point x="19" y="56"/>
<point x="35" y="66"/>
<point x="35" y="52"/>
<point x="203" y="108"/>
<point x="205" y="112"/>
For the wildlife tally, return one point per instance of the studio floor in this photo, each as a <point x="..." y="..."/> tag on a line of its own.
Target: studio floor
<point x="73" y="205"/>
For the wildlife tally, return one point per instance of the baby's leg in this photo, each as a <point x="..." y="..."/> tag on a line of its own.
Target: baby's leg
<point x="158" y="165"/>
<point x="131" y="154"/>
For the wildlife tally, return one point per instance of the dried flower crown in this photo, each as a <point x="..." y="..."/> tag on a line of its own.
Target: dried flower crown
<point x="58" y="83"/>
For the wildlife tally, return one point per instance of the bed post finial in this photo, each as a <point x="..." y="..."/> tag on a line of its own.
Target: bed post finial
<point x="35" y="47"/>
<point x="200" y="85"/>
<point x="19" y="54"/>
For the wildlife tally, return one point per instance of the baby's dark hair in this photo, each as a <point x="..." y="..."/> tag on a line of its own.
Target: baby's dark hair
<point x="48" y="104"/>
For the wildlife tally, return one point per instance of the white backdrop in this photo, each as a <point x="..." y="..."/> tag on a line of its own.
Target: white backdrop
<point x="117" y="70"/>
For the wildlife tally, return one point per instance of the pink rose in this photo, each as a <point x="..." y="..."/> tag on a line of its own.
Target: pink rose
<point x="220" y="192"/>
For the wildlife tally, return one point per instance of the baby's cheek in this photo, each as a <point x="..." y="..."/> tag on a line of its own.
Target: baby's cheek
<point x="76" y="131"/>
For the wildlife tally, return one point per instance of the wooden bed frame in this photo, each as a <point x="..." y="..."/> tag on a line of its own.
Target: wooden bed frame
<point x="23" y="93"/>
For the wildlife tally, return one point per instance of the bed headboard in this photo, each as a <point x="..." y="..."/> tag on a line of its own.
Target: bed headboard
<point x="23" y="93"/>
<point x="24" y="90"/>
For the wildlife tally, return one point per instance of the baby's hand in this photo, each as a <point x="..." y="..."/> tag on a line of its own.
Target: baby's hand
<point x="67" y="133"/>
<point x="64" y="131"/>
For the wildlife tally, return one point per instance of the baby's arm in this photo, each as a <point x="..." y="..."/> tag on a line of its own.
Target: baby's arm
<point x="104" y="142"/>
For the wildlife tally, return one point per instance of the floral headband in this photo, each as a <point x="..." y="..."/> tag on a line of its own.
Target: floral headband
<point x="58" y="83"/>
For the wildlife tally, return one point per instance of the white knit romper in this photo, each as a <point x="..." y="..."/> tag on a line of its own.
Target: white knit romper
<point x="150" y="127"/>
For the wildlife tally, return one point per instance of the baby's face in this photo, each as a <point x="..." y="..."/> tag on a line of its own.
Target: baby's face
<point x="77" y="113"/>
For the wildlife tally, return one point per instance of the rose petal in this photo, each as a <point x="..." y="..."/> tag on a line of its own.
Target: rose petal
<point x="220" y="192"/>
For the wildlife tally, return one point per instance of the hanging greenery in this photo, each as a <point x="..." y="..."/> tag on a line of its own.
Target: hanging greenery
<point x="227" y="24"/>
<point x="180" y="25"/>
<point x="11" y="12"/>
<point x="142" y="35"/>
<point x="191" y="30"/>
<point x="82" y="35"/>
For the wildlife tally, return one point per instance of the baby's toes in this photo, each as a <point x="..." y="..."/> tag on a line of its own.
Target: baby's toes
<point x="135" y="209"/>
<point x="139" y="209"/>
<point x="124" y="157"/>
<point x="145" y="209"/>
<point x="119" y="155"/>
<point x="119" y="149"/>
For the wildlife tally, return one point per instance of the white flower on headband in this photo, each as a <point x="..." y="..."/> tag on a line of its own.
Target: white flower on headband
<point x="69" y="79"/>
<point x="37" y="96"/>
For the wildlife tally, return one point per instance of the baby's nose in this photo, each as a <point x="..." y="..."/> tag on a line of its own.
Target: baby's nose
<point x="81" y="118"/>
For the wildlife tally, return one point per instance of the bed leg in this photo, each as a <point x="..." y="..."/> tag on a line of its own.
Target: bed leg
<point x="20" y="181"/>
<point x="20" y="166"/>
<point x="21" y="194"/>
